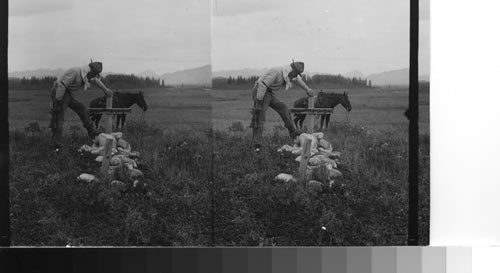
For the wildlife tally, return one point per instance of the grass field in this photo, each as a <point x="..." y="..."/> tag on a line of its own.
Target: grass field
<point x="167" y="107"/>
<point x="168" y="207"/>
<point x="367" y="206"/>
<point x="176" y="137"/>
<point x="375" y="109"/>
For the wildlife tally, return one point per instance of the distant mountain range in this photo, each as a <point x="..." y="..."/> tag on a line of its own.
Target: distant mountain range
<point x="195" y="76"/>
<point x="40" y="72"/>
<point x="246" y="72"/>
<point x="393" y="77"/>
<point x="354" y="74"/>
<point x="148" y="73"/>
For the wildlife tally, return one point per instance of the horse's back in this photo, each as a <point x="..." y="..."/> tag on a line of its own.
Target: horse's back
<point x="301" y="103"/>
<point x="99" y="102"/>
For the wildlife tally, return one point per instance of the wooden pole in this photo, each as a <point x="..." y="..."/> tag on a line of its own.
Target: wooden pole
<point x="310" y="123"/>
<point x="107" y="156"/>
<point x="306" y="155"/>
<point x="108" y="118"/>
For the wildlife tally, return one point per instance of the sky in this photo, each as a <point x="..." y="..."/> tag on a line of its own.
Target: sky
<point x="330" y="36"/>
<point x="128" y="36"/>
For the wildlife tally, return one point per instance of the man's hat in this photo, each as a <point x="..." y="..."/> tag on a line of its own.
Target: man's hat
<point x="298" y="67"/>
<point x="96" y="67"/>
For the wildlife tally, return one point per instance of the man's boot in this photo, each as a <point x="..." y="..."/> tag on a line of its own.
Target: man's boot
<point x="55" y="128"/>
<point x="257" y="148"/>
<point x="57" y="148"/>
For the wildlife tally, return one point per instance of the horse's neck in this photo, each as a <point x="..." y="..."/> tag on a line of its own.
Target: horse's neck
<point x="300" y="102"/>
<point x="126" y="101"/>
<point x="329" y="102"/>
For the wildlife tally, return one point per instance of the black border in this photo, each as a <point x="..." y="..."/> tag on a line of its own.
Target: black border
<point x="413" y="131"/>
<point x="4" y="130"/>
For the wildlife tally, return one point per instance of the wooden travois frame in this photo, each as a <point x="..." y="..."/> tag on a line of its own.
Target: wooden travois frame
<point x="108" y="113"/>
<point x="310" y="111"/>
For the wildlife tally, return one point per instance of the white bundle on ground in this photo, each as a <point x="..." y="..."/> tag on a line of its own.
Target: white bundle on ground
<point x="301" y="140"/>
<point x="121" y="153"/>
<point x="119" y="144"/>
<point x="285" y="177"/>
<point x="86" y="177"/>
<point x="318" y="144"/>
<point x="323" y="163"/>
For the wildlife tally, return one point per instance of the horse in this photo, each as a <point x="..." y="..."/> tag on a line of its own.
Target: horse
<point x="120" y="100"/>
<point x="324" y="100"/>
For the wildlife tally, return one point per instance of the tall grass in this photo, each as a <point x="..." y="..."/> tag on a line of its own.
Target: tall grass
<point x="172" y="205"/>
<point x="367" y="206"/>
<point x="50" y="207"/>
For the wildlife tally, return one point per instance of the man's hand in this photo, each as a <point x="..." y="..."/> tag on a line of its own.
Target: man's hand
<point x="310" y="93"/>
<point x="108" y="92"/>
<point x="258" y="105"/>
<point x="257" y="108"/>
<point x="56" y="107"/>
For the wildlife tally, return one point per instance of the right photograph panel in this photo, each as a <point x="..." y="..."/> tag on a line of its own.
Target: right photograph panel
<point x="310" y="133"/>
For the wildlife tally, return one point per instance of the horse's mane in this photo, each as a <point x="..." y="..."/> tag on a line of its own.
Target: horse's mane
<point x="332" y="93"/>
<point x="101" y="101"/>
<point x="328" y="98"/>
<point x="303" y="100"/>
<point x="119" y="93"/>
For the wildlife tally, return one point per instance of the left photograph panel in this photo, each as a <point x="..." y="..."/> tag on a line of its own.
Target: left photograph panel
<point x="110" y="122"/>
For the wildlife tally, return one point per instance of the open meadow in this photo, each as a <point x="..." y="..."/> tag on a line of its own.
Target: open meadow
<point x="190" y="137"/>
<point x="167" y="107"/>
<point x="368" y="205"/>
<point x="168" y="205"/>
<point x="376" y="109"/>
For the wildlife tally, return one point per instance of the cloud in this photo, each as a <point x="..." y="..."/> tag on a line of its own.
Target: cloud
<point x="29" y="8"/>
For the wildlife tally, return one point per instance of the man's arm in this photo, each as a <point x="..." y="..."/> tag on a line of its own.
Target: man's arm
<point x="108" y="92"/>
<point x="298" y="80"/>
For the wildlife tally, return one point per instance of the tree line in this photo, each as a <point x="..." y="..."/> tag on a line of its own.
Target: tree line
<point x="112" y="80"/>
<point x="318" y="79"/>
<point x="31" y="82"/>
<point x="132" y="81"/>
<point x="337" y="80"/>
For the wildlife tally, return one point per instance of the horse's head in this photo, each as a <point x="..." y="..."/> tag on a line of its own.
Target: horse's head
<point x="345" y="102"/>
<point x="141" y="101"/>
